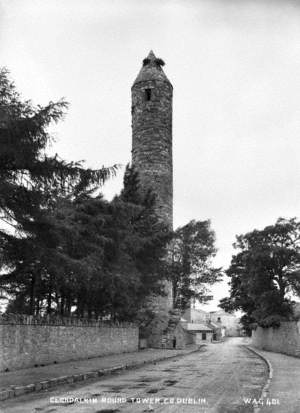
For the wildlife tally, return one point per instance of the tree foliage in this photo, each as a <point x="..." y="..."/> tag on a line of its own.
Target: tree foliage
<point x="264" y="273"/>
<point x="63" y="248"/>
<point x="190" y="268"/>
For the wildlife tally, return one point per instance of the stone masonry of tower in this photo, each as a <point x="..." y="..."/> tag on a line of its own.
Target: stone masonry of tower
<point x="152" y="95"/>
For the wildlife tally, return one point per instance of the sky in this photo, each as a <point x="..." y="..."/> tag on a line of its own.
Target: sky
<point x="235" y="69"/>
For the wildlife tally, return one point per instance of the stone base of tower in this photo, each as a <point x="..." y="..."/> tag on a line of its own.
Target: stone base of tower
<point x="160" y="307"/>
<point x="165" y="330"/>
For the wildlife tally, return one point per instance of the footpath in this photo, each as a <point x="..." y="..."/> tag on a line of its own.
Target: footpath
<point x="282" y="393"/>
<point x="19" y="382"/>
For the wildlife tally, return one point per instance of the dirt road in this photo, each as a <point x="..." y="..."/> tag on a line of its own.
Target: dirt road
<point x="217" y="379"/>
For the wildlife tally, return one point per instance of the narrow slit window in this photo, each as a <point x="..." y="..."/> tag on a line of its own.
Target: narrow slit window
<point x="147" y="95"/>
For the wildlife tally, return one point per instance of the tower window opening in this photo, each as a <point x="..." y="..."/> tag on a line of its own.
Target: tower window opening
<point x="147" y="95"/>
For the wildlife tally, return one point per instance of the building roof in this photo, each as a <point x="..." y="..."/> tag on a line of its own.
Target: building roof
<point x="197" y="327"/>
<point x="191" y="313"/>
<point x="198" y="310"/>
<point x="151" y="70"/>
<point x="215" y="325"/>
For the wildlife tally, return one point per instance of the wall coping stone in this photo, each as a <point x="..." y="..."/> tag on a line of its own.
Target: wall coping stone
<point x="54" y="320"/>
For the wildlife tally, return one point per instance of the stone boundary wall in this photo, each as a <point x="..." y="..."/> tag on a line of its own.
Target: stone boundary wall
<point x="27" y="341"/>
<point x="285" y="339"/>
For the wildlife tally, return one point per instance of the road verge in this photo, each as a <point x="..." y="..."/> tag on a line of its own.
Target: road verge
<point x="265" y="389"/>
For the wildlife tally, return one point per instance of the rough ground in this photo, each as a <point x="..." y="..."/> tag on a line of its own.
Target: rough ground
<point x="216" y="379"/>
<point x="284" y="391"/>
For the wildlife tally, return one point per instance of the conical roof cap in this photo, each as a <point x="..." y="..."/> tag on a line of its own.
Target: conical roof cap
<point x="151" y="70"/>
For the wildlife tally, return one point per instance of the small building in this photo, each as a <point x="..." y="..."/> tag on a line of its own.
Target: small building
<point x="296" y="311"/>
<point x="219" y="331"/>
<point x="229" y="321"/>
<point x="201" y="331"/>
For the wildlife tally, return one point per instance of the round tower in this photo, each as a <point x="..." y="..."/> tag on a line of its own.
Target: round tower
<point x="151" y="110"/>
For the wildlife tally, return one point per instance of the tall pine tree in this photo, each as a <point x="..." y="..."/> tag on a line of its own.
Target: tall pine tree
<point x="31" y="184"/>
